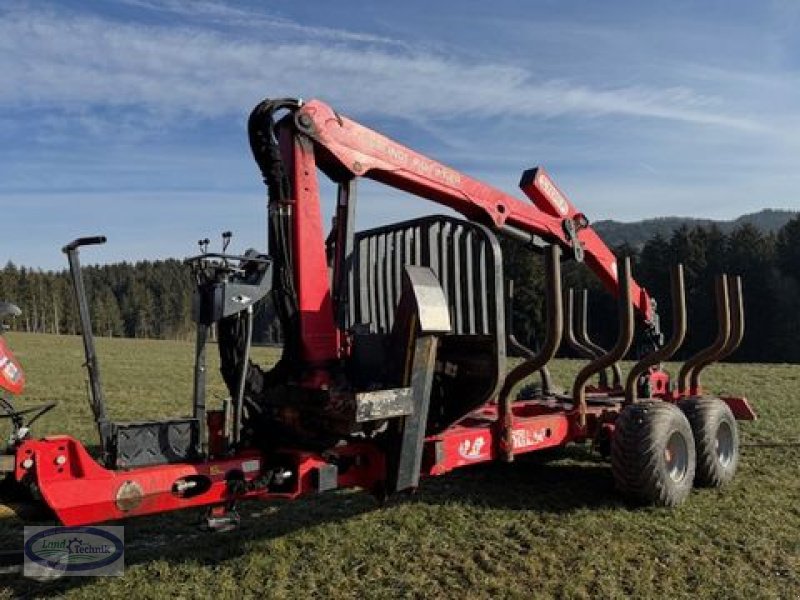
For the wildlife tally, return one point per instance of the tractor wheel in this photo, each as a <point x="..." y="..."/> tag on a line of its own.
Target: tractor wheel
<point x="652" y="453"/>
<point x="716" y="439"/>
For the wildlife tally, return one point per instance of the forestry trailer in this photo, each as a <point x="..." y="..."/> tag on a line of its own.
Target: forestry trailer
<point x="394" y="361"/>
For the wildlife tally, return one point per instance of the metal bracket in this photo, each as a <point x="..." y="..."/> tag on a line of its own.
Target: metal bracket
<point x="221" y="519"/>
<point x="514" y="344"/>
<point x="579" y="346"/>
<point x="624" y="340"/>
<point x="582" y="333"/>
<point x="571" y="231"/>
<point x="553" y="333"/>
<point x="728" y="290"/>
<point x="422" y="315"/>
<point x="678" y="334"/>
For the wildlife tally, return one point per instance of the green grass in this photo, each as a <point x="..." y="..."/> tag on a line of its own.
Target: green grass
<point x="526" y="530"/>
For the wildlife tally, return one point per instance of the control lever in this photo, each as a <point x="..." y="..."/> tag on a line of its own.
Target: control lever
<point x="96" y="396"/>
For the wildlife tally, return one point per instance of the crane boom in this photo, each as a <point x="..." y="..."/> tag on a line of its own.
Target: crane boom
<point x="314" y="136"/>
<point x="551" y="216"/>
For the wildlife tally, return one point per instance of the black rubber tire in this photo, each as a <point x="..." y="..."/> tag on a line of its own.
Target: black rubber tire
<point x="639" y="457"/>
<point x="717" y="455"/>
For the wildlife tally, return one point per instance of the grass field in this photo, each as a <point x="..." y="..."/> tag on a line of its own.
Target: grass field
<point x="526" y="530"/>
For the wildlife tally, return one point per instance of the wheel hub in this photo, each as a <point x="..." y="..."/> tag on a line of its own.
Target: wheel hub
<point x="723" y="444"/>
<point x="676" y="456"/>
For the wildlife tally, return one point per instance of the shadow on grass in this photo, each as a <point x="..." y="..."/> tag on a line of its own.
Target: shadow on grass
<point x="574" y="480"/>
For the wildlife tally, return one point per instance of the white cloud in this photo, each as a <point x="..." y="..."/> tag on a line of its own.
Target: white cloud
<point x="71" y="62"/>
<point x="209" y="12"/>
<point x="113" y="114"/>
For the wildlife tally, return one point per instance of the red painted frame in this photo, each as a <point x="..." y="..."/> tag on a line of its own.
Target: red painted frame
<point x="80" y="491"/>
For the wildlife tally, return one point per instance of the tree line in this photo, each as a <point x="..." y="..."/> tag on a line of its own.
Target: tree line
<point x="152" y="299"/>
<point x="769" y="264"/>
<point x="147" y="299"/>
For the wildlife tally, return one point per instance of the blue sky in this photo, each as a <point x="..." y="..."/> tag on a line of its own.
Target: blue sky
<point x="126" y="117"/>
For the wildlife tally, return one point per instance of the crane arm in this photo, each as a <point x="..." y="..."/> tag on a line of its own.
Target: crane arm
<point x="548" y="217"/>
<point x="311" y="136"/>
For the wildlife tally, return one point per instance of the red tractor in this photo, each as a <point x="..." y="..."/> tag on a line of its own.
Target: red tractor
<point x="394" y="361"/>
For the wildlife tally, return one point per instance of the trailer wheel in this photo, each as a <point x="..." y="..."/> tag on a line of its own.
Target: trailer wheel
<point x="716" y="439"/>
<point x="652" y="453"/>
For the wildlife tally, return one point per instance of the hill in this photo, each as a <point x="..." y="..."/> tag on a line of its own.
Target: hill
<point x="636" y="233"/>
